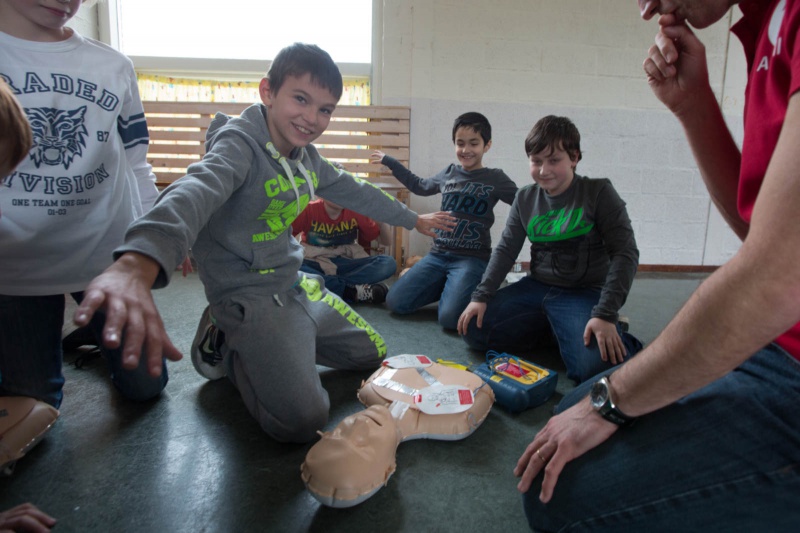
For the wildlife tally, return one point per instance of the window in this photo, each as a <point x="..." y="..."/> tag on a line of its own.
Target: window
<point x="231" y="41"/>
<point x="244" y="29"/>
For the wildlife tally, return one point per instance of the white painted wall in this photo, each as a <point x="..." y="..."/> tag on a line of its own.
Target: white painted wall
<point x="518" y="60"/>
<point x="85" y="22"/>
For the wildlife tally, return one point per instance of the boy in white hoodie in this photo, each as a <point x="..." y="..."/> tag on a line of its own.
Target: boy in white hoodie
<point x="67" y="205"/>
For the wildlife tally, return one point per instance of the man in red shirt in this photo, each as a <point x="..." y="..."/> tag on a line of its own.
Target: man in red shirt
<point x="337" y="242"/>
<point x="717" y="446"/>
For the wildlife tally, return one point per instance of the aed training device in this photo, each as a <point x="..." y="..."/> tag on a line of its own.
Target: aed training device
<point x="517" y="384"/>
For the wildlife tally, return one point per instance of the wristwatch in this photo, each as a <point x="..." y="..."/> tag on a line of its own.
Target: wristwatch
<point x="603" y="402"/>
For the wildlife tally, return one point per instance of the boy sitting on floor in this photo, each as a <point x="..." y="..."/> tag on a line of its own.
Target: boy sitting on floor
<point x="455" y="264"/>
<point x="583" y="259"/>
<point x="336" y="242"/>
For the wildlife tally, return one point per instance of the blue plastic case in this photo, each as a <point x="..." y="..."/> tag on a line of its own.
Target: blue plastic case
<point x="517" y="384"/>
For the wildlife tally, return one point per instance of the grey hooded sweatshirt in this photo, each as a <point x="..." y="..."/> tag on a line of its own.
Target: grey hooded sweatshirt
<point x="235" y="207"/>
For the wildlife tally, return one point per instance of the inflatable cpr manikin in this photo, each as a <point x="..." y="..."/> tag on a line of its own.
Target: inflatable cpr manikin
<point x="23" y="422"/>
<point x="409" y="397"/>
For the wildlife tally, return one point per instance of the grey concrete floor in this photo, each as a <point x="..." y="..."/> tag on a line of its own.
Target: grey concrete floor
<point x="194" y="460"/>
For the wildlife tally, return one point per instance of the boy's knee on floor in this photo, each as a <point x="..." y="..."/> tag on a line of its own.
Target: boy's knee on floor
<point x="584" y="372"/>
<point x="397" y="305"/>
<point x="477" y="338"/>
<point x="137" y="384"/>
<point x="448" y="321"/>
<point x="139" y="392"/>
<point x="300" y="428"/>
<point x="474" y="342"/>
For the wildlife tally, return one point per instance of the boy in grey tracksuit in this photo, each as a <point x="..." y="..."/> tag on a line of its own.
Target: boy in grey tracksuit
<point x="235" y="209"/>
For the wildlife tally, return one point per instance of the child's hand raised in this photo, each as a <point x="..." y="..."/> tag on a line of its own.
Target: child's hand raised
<point x="440" y="220"/>
<point x="377" y="156"/>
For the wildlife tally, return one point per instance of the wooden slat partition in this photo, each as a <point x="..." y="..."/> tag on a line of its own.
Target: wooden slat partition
<point x="178" y="131"/>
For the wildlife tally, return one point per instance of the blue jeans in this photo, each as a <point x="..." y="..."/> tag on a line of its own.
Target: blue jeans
<point x="373" y="269"/>
<point x="30" y="352"/>
<point x="724" y="458"/>
<point x="439" y="276"/>
<point x="523" y="314"/>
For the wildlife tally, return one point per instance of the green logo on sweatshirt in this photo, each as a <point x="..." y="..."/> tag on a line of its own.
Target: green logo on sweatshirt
<point x="558" y="226"/>
<point x="280" y="213"/>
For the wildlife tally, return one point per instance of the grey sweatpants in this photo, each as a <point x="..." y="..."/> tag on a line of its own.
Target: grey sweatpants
<point x="272" y="345"/>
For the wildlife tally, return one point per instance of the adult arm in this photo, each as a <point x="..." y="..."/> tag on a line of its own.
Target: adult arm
<point x="744" y="305"/>
<point x="687" y="93"/>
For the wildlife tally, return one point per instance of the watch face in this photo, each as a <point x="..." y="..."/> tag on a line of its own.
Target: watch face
<point x="599" y="393"/>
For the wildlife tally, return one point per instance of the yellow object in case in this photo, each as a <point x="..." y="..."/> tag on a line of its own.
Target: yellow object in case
<point x="517" y="384"/>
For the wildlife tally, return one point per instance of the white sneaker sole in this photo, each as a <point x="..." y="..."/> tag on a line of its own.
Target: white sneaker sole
<point x="210" y="372"/>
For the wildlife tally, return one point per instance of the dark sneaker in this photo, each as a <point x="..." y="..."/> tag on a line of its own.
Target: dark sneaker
<point x="625" y="323"/>
<point x="371" y="294"/>
<point x="206" y="355"/>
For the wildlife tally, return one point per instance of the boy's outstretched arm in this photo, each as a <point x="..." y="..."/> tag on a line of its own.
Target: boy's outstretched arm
<point x="415" y="184"/>
<point x="123" y="291"/>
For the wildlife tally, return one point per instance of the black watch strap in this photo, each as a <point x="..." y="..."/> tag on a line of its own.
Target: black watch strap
<point x="612" y="414"/>
<point x="608" y="409"/>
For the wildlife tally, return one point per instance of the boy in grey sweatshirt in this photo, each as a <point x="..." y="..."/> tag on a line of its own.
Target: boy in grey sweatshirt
<point x="235" y="209"/>
<point x="583" y="259"/>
